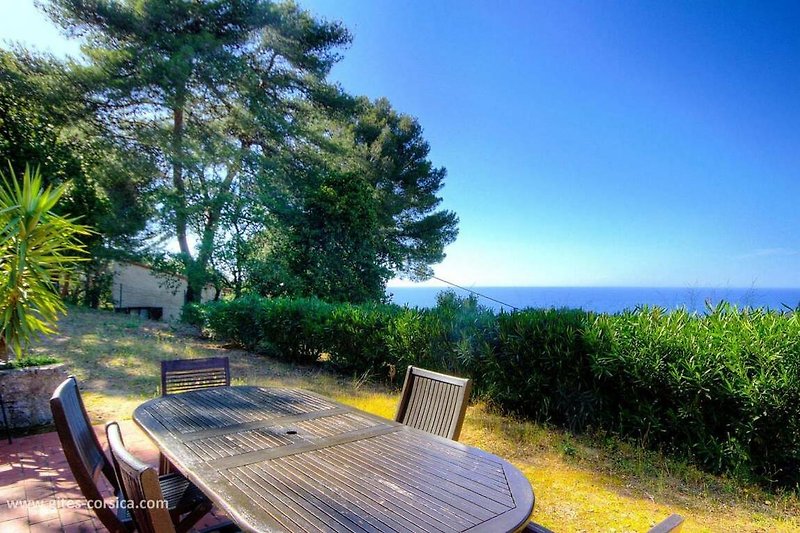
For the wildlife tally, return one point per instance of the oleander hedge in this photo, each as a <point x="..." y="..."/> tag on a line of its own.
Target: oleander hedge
<point x="721" y="388"/>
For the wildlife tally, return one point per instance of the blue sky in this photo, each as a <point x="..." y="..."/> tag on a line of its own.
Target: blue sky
<point x="588" y="143"/>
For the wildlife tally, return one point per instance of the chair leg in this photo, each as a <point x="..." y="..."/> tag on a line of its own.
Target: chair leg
<point x="533" y="527"/>
<point x="192" y="518"/>
<point x="164" y="466"/>
<point x="5" y="419"/>
<point x="225" y="527"/>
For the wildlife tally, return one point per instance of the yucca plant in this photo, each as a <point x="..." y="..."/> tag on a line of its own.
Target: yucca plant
<point x="37" y="247"/>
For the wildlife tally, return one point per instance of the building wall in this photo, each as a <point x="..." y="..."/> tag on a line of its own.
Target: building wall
<point x="137" y="285"/>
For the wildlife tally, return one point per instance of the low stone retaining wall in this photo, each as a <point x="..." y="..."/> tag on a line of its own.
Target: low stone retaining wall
<point x="26" y="394"/>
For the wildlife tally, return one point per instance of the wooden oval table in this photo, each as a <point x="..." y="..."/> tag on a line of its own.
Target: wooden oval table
<point x="291" y="460"/>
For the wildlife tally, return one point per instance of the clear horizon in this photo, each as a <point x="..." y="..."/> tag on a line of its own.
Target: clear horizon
<point x="403" y="284"/>
<point x="587" y="144"/>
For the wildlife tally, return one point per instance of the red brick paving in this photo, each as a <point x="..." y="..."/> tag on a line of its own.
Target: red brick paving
<point x="34" y="469"/>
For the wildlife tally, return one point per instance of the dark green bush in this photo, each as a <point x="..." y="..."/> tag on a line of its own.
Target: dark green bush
<point x="237" y="321"/>
<point x="358" y="338"/>
<point x="540" y="367"/>
<point x="287" y="329"/>
<point x="194" y="314"/>
<point x="294" y="329"/>
<point x="457" y="330"/>
<point x="722" y="388"/>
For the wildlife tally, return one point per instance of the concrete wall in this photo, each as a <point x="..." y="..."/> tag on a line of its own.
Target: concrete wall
<point x="137" y="285"/>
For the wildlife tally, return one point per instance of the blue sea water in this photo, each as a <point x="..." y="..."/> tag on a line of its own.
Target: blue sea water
<point x="606" y="299"/>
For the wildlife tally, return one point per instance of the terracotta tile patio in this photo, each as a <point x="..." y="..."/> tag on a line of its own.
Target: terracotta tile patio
<point x="38" y="492"/>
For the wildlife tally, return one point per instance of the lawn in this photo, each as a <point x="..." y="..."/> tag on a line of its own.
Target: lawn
<point x="582" y="483"/>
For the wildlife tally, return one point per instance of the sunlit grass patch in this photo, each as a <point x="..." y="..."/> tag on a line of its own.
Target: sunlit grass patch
<point x="382" y="404"/>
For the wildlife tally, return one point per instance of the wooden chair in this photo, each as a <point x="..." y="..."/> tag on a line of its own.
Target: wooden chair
<point x="85" y="454"/>
<point x="143" y="488"/>
<point x="184" y="375"/>
<point x="89" y="463"/>
<point x="434" y="402"/>
<point x="672" y="524"/>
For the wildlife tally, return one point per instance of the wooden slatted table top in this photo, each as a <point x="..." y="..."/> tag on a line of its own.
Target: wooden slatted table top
<point x="291" y="460"/>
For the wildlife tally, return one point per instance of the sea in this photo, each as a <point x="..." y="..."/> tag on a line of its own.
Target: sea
<point x="606" y="299"/>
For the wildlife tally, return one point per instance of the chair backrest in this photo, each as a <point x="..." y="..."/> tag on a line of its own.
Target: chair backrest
<point x="82" y="448"/>
<point x="140" y="485"/>
<point x="671" y="524"/>
<point x="434" y="402"/>
<point x="182" y="375"/>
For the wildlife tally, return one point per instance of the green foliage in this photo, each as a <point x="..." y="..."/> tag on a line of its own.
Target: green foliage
<point x="294" y="329"/>
<point x="393" y="157"/>
<point x="194" y="314"/>
<point x="37" y="248"/>
<point x="237" y="321"/>
<point x="540" y="367"/>
<point x="289" y="330"/>
<point x="31" y="361"/>
<point x="211" y="90"/>
<point x="216" y="120"/>
<point x="29" y="120"/>
<point x="356" y="206"/>
<point x="45" y="123"/>
<point x="720" y="388"/>
<point x="327" y="249"/>
<point x="458" y="330"/>
<point x="357" y="337"/>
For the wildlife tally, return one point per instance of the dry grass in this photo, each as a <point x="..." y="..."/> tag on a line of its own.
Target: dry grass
<point x="581" y="483"/>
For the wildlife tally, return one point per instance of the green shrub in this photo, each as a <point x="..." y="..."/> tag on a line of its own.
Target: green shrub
<point x="289" y="330"/>
<point x="237" y="321"/>
<point x="194" y="314"/>
<point x="30" y="361"/>
<point x="457" y="329"/>
<point x="541" y="367"/>
<point x="722" y="388"/>
<point x="448" y="338"/>
<point x="409" y="338"/>
<point x="293" y="330"/>
<point x="358" y="338"/>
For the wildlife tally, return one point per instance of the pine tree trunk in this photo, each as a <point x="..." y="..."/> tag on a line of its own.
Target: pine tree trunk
<point x="192" y="294"/>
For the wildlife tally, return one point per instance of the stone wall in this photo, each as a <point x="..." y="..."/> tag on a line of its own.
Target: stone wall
<point x="26" y="393"/>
